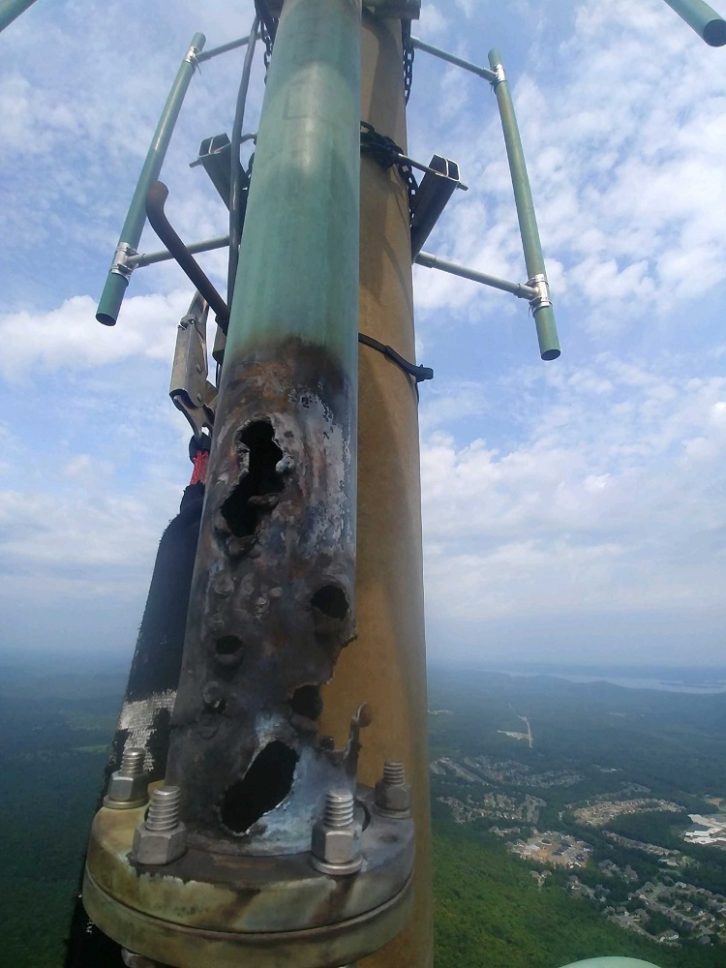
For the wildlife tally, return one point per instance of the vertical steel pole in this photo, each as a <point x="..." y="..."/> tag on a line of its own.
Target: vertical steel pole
<point x="386" y="665"/>
<point x="119" y="273"/>
<point x="703" y="18"/>
<point x="544" y="316"/>
<point x="10" y="9"/>
<point x="272" y="599"/>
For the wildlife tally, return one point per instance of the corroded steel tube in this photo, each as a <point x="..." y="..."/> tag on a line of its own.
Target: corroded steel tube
<point x="273" y="592"/>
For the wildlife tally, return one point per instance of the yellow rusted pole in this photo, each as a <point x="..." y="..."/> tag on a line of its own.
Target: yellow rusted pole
<point x="385" y="665"/>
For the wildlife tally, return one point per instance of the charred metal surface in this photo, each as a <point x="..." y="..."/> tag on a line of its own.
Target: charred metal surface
<point x="271" y="605"/>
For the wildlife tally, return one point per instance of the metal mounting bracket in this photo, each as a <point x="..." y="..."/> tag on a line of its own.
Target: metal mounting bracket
<point x="190" y="391"/>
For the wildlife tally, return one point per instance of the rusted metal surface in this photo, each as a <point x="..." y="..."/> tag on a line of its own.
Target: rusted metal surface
<point x="271" y="605"/>
<point x="220" y="909"/>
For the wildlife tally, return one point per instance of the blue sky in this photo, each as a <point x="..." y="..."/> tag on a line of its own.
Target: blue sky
<point x="573" y="510"/>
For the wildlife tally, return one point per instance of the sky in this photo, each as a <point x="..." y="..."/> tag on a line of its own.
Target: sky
<point x="574" y="511"/>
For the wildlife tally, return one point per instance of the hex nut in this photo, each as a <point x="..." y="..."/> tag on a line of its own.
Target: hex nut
<point x="394" y="797"/>
<point x="159" y="846"/>
<point x="126" y="791"/>
<point x="337" y="849"/>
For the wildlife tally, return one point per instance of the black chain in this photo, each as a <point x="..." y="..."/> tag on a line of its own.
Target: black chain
<point x="386" y="153"/>
<point x="408" y="53"/>
<point x="268" y="29"/>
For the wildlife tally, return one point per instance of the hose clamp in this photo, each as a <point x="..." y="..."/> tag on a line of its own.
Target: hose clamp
<point x="500" y="75"/>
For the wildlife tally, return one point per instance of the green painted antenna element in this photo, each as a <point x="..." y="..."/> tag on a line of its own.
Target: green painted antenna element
<point x="10" y="9"/>
<point x="704" y="20"/>
<point x="544" y="316"/>
<point x="118" y="277"/>
<point x="298" y="266"/>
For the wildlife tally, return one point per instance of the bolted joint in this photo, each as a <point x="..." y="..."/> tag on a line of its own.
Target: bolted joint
<point x="162" y="837"/>
<point x="128" y="786"/>
<point x="336" y="839"/>
<point x="393" y="794"/>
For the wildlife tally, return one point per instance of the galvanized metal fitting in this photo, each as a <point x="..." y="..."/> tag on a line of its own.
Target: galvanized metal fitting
<point x="192" y="56"/>
<point x="162" y="837"/>
<point x="120" y="264"/>
<point x="542" y="287"/>
<point x="128" y="786"/>
<point x="336" y="840"/>
<point x="500" y="75"/>
<point x="393" y="794"/>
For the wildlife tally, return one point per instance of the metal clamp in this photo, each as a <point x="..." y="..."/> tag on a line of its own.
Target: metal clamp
<point x="120" y="264"/>
<point x="500" y="75"/>
<point x="192" y="56"/>
<point x="542" y="288"/>
<point x="190" y="391"/>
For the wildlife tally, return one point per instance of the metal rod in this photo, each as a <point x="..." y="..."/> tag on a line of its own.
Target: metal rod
<point x="10" y="9"/>
<point x="150" y="258"/>
<point x="453" y="59"/>
<point x="235" y="172"/>
<point x="544" y="316"/>
<point x="157" y="196"/>
<point x="516" y="288"/>
<point x="223" y="49"/>
<point x="704" y="20"/>
<point x="118" y="276"/>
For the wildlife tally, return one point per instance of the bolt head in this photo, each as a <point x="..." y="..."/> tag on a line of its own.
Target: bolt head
<point x="337" y="846"/>
<point x="394" y="797"/>
<point x="127" y="790"/>
<point x="159" y="846"/>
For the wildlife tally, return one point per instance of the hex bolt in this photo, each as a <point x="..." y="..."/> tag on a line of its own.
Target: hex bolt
<point x="162" y="837"/>
<point x="393" y="773"/>
<point x="128" y="785"/>
<point x="336" y="839"/>
<point x="132" y="761"/>
<point x="339" y="809"/>
<point x="393" y="794"/>
<point x="164" y="809"/>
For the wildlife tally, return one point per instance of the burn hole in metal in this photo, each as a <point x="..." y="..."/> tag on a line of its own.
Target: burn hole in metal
<point x="228" y="649"/>
<point x="265" y="785"/>
<point x="331" y="601"/>
<point x="243" y="508"/>
<point x="306" y="702"/>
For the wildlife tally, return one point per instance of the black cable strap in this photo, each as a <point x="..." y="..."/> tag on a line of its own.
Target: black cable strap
<point x="419" y="373"/>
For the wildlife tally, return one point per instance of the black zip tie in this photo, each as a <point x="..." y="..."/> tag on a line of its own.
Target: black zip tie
<point x="419" y="373"/>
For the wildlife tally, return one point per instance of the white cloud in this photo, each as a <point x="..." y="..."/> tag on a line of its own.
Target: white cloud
<point x="589" y="509"/>
<point x="70" y="338"/>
